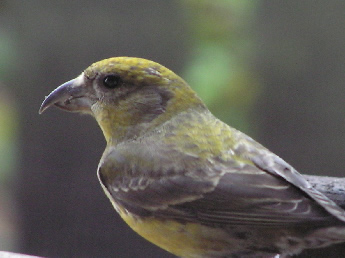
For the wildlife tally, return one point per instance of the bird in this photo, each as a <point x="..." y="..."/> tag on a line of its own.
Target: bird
<point x="184" y="180"/>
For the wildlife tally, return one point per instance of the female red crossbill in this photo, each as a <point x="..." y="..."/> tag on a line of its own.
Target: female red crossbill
<point x="186" y="181"/>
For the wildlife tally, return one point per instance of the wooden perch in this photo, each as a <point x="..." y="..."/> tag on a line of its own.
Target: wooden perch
<point x="332" y="187"/>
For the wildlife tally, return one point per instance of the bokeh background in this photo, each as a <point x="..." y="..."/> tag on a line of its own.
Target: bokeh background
<point x="273" y="69"/>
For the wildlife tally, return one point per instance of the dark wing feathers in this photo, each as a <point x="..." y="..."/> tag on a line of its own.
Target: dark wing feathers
<point x="161" y="193"/>
<point x="234" y="203"/>
<point x="275" y="166"/>
<point x="265" y="192"/>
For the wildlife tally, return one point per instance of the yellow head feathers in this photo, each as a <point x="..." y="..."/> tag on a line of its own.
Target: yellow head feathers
<point x="136" y="70"/>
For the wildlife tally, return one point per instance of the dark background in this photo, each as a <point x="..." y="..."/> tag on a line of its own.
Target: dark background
<point x="273" y="69"/>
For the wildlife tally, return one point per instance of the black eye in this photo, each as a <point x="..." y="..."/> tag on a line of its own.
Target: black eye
<point x="111" y="81"/>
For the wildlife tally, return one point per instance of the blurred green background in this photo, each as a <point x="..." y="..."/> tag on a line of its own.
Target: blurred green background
<point x="273" y="69"/>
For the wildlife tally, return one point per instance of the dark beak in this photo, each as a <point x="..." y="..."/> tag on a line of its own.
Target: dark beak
<point x="71" y="96"/>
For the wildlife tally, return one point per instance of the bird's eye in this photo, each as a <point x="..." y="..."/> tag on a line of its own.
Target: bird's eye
<point x="111" y="81"/>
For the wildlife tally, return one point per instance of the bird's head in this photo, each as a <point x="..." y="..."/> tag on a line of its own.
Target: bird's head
<point x="126" y="95"/>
